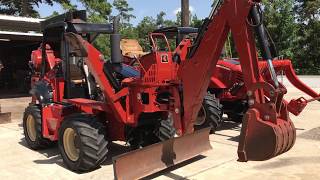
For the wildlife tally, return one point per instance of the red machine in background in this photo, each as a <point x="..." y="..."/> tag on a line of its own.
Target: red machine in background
<point x="227" y="84"/>
<point x="84" y="102"/>
<point x="228" y="77"/>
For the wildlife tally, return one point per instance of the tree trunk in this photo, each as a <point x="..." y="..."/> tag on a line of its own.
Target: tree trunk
<point x="24" y="8"/>
<point x="185" y="13"/>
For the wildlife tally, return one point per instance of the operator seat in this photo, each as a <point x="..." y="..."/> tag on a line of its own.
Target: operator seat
<point x="76" y="75"/>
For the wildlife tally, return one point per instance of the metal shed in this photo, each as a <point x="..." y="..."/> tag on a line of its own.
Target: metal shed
<point x="19" y="36"/>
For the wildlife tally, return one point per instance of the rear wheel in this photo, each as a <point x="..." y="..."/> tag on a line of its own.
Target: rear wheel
<point x="237" y="110"/>
<point x="160" y="130"/>
<point x="210" y="114"/>
<point x="82" y="142"/>
<point x="32" y="127"/>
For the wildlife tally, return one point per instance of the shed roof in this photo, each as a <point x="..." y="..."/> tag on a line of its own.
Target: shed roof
<point x="19" y="24"/>
<point x="14" y="28"/>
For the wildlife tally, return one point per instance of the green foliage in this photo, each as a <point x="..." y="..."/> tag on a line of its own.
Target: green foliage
<point x="307" y="49"/>
<point x="279" y="18"/>
<point x="147" y="25"/>
<point x="124" y="11"/>
<point x="160" y="19"/>
<point x="195" y="22"/>
<point x="162" y="22"/>
<point x="98" y="12"/>
<point x="129" y="33"/>
<point x="25" y="7"/>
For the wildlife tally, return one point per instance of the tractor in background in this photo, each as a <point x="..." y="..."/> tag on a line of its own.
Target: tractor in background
<point x="227" y="84"/>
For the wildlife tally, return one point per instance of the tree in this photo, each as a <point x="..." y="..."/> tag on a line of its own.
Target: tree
<point x="124" y="11"/>
<point x="162" y="22"/>
<point x="280" y="20"/>
<point x="307" y="51"/>
<point x="160" y="19"/>
<point x="307" y="10"/>
<point x="147" y="25"/>
<point x="98" y="12"/>
<point x="195" y="22"/>
<point x="25" y="7"/>
<point x="178" y="18"/>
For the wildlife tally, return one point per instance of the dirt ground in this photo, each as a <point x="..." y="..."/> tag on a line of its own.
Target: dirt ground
<point x="302" y="162"/>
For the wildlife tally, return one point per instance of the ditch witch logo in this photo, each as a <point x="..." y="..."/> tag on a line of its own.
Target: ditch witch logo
<point x="164" y="58"/>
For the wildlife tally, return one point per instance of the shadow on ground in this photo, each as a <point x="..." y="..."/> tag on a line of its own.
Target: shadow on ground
<point x="229" y="125"/>
<point x="168" y="172"/>
<point x="289" y="161"/>
<point x="14" y="95"/>
<point x="52" y="155"/>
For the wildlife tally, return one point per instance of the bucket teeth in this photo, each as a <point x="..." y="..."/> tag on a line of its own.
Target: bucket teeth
<point x="261" y="140"/>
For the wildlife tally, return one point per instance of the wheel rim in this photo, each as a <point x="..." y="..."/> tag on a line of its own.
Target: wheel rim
<point x="70" y="144"/>
<point x="201" y="118"/>
<point x="31" y="128"/>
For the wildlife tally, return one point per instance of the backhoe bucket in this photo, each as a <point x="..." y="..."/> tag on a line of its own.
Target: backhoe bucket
<point x="151" y="159"/>
<point x="261" y="140"/>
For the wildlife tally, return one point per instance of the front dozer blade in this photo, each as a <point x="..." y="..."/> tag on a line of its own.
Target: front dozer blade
<point x="261" y="140"/>
<point x="151" y="159"/>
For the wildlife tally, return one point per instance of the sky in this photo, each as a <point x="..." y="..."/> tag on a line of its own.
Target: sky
<point x="144" y="8"/>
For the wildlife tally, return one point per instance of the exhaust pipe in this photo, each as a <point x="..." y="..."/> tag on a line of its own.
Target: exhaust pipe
<point x="115" y="38"/>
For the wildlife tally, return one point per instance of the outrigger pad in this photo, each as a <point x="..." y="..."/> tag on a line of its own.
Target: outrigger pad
<point x="261" y="140"/>
<point x="151" y="159"/>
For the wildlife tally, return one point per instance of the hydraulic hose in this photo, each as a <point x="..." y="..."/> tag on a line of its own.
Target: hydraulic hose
<point x="263" y="41"/>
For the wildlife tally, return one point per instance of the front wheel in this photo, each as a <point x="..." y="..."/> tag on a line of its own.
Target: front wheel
<point x="82" y="142"/>
<point x="210" y="114"/>
<point x="32" y="128"/>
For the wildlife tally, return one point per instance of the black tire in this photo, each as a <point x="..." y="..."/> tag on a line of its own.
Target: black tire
<point x="37" y="141"/>
<point x="160" y="130"/>
<point x="165" y="130"/>
<point x="90" y="139"/>
<point x="212" y="110"/>
<point x="237" y="110"/>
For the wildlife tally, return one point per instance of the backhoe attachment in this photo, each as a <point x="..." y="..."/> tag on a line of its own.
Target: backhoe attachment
<point x="267" y="130"/>
<point x="262" y="140"/>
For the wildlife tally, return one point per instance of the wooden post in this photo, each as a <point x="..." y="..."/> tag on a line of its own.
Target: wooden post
<point x="5" y="117"/>
<point x="185" y="13"/>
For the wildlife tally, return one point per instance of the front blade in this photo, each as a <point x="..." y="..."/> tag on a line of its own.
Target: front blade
<point x="151" y="159"/>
